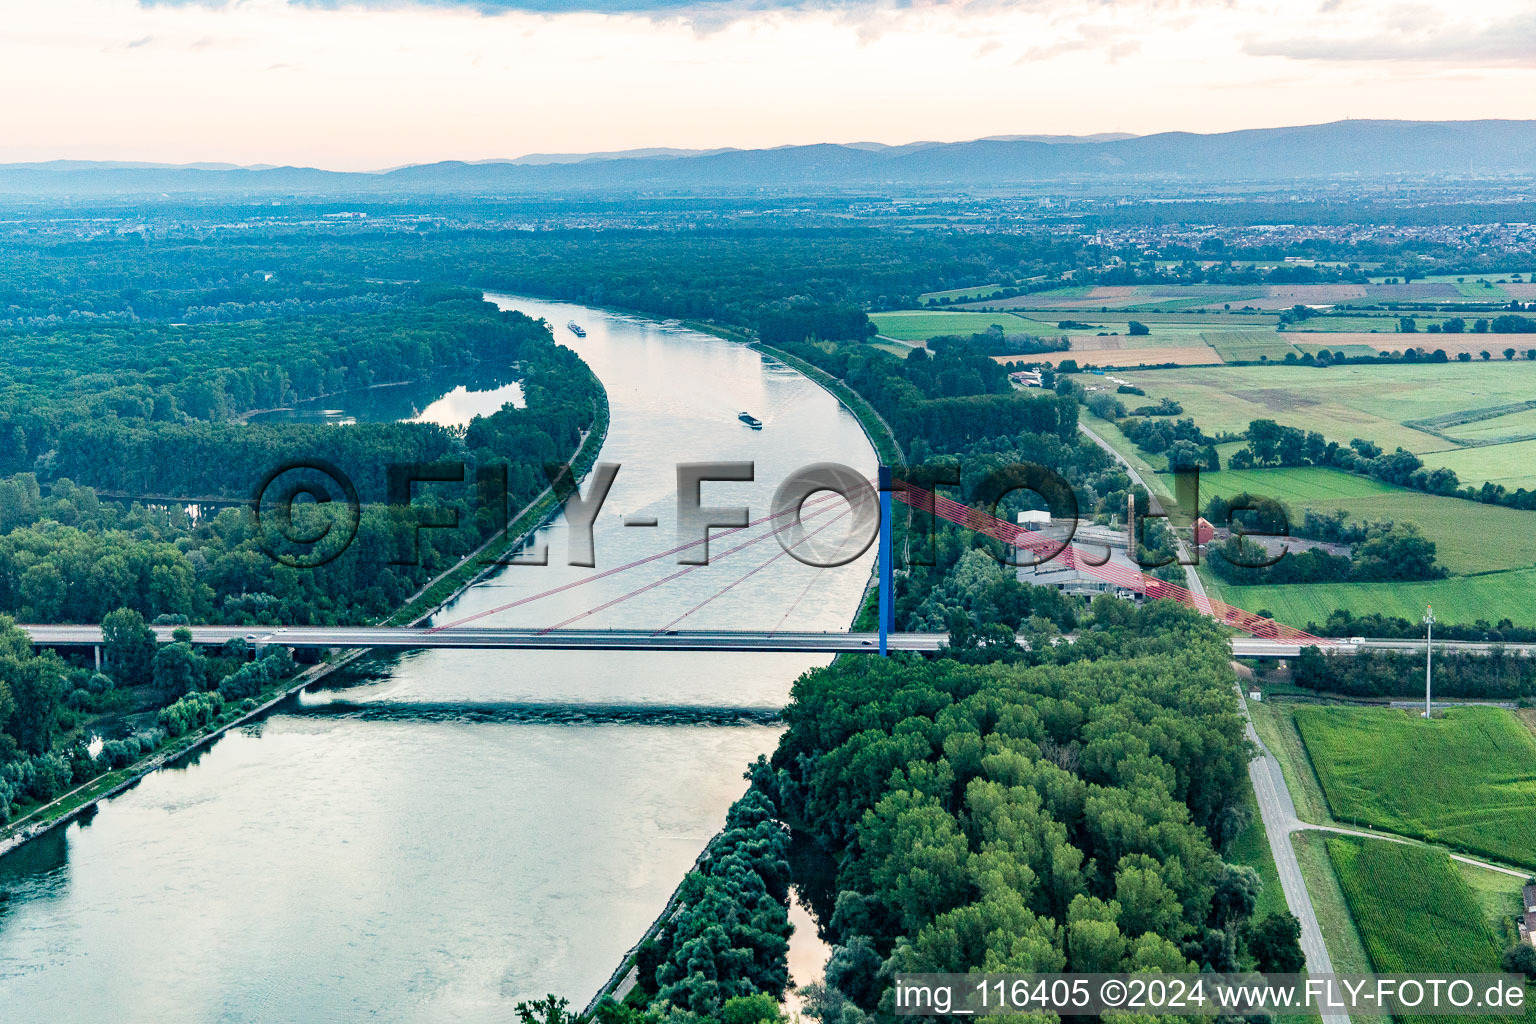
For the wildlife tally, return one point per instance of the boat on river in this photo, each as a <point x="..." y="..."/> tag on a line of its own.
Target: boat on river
<point x="576" y="329"/>
<point x="750" y="420"/>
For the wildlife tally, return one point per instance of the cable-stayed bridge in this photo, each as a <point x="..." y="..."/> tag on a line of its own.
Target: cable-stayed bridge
<point x="1266" y="637"/>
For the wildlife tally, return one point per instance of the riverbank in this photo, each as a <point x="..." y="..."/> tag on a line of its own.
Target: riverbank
<point x="420" y="606"/>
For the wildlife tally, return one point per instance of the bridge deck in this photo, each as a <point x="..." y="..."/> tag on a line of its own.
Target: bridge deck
<point x="503" y="638"/>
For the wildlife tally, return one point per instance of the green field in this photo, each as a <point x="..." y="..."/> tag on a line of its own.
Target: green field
<point x="1345" y="947"/>
<point x="962" y="294"/>
<point x="1508" y="464"/>
<point x="1247" y="346"/>
<point x="1299" y="486"/>
<point x="1460" y="599"/>
<point x="1366" y="401"/>
<point x="1116" y="319"/>
<point x="1481" y="290"/>
<point x="1440" y="927"/>
<point x="920" y="325"/>
<point x="1467" y="780"/>
<point x="1366" y="323"/>
<point x="1497" y="429"/>
<point x="1454" y="278"/>
<point x="1462" y="530"/>
<point x="1500" y="897"/>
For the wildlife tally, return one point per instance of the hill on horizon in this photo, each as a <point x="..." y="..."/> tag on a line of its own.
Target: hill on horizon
<point x="1351" y="149"/>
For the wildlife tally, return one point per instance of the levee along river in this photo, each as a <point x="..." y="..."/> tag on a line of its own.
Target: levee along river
<point x="439" y="835"/>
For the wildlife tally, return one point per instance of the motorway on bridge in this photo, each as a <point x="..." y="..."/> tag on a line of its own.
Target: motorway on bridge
<point x="499" y="638"/>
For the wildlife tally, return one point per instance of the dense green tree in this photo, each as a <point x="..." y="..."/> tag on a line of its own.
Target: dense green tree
<point x="1520" y="959"/>
<point x="177" y="670"/>
<point x="1275" y="943"/>
<point x="35" y="685"/>
<point x="128" y="647"/>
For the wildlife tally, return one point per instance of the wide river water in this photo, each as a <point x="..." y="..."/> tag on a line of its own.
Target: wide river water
<point x="436" y="836"/>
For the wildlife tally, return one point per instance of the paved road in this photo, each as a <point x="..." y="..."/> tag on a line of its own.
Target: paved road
<point x="1278" y="812"/>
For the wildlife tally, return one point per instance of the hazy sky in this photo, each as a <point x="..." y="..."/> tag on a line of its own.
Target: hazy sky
<point x="377" y="83"/>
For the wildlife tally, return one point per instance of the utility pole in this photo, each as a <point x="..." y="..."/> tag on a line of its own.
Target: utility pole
<point x="1429" y="639"/>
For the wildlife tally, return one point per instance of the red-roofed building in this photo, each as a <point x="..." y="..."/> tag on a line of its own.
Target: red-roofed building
<point x="1204" y="531"/>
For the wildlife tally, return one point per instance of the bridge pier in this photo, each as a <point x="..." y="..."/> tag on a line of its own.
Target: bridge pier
<point x="887" y="596"/>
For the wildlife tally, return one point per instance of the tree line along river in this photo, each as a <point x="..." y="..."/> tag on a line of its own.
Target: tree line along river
<point x="438" y="835"/>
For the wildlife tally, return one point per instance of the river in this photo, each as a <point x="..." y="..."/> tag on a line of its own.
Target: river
<point x="438" y="835"/>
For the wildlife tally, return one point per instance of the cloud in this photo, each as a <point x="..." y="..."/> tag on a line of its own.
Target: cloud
<point x="707" y="10"/>
<point x="1512" y="41"/>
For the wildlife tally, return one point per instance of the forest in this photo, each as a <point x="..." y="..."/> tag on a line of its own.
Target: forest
<point x="157" y="413"/>
<point x="1063" y="811"/>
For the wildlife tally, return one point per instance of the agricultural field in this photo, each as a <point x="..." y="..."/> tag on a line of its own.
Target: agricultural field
<point x="1263" y="297"/>
<point x="1459" y="599"/>
<point x="1345" y="947"/>
<point x="961" y="294"/>
<point x="1117" y="319"/>
<point x="1356" y="342"/>
<point x="1460" y="529"/>
<point x="1247" y="346"/>
<point x="1312" y="346"/>
<point x="1467" y="780"/>
<point x="1368" y="401"/>
<point x="1455" y="278"/>
<point x="1509" y="464"/>
<point x="1135" y="297"/>
<point x="1196" y="354"/>
<point x="1384" y="325"/>
<point x="1482" y="290"/>
<point x="920" y="325"/>
<point x="1505" y="427"/>
<point x="1500" y="897"/>
<point x="1121" y="340"/>
<point x="1441" y="929"/>
<point x="1299" y="486"/>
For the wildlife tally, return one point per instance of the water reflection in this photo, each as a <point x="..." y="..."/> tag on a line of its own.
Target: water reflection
<point x="446" y="401"/>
